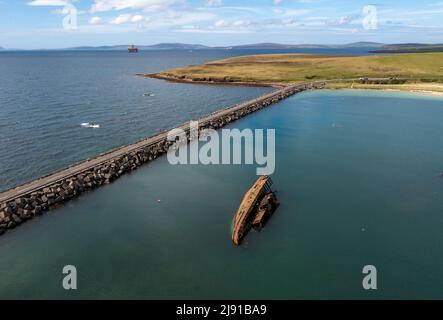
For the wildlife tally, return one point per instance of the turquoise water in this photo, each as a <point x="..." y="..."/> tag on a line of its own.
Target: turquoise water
<point x="46" y="95"/>
<point x="357" y="175"/>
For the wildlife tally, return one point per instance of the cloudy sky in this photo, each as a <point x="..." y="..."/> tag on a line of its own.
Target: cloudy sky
<point x="66" y="23"/>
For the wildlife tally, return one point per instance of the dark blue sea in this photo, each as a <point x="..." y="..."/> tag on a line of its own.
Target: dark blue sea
<point x="357" y="175"/>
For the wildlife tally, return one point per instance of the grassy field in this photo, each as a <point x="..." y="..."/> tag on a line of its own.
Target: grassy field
<point x="418" y="87"/>
<point x="293" y="68"/>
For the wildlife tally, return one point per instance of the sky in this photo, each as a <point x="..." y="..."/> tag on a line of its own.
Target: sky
<point x="37" y="24"/>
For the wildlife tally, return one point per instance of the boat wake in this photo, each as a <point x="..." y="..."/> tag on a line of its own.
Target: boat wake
<point x="90" y="125"/>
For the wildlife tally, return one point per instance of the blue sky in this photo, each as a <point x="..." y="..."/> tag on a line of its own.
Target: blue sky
<point x="65" y="23"/>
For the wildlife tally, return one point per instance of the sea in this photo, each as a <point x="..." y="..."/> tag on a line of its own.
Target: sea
<point x="358" y="175"/>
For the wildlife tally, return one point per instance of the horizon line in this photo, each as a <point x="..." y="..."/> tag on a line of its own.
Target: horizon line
<point x="214" y="46"/>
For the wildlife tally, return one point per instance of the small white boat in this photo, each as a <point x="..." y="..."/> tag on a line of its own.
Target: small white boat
<point x="149" y="94"/>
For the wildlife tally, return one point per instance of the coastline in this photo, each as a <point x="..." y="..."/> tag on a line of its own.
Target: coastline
<point x="172" y="78"/>
<point x="423" y="89"/>
<point x="413" y="88"/>
<point x="32" y="199"/>
<point x="414" y="73"/>
<point x="416" y="92"/>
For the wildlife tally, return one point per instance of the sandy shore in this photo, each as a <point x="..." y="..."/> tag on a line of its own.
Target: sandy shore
<point x="429" y="89"/>
<point x="423" y="92"/>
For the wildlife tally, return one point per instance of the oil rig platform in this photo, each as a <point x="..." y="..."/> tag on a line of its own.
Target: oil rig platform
<point x="133" y="49"/>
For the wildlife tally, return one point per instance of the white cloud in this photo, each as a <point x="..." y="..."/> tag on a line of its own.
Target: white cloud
<point x="48" y="3"/>
<point x="186" y="17"/>
<point x="148" y="5"/>
<point x="213" y="3"/>
<point x="121" y="19"/>
<point x="137" y="18"/>
<point x="221" y="24"/>
<point x="235" y="24"/>
<point x="291" y="12"/>
<point x="96" y="20"/>
<point x="128" y="18"/>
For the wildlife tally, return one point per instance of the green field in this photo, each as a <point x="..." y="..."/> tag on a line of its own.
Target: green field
<point x="410" y="48"/>
<point x="292" y="68"/>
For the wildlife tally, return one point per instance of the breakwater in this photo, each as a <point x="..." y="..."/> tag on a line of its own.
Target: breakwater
<point x="32" y="199"/>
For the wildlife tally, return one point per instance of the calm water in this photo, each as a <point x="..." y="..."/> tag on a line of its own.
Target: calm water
<point x="357" y="176"/>
<point x="45" y="96"/>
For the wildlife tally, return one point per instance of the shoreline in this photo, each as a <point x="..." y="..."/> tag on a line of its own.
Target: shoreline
<point x="416" y="92"/>
<point x="172" y="78"/>
<point x="417" y="89"/>
<point x="420" y="89"/>
<point x="32" y="199"/>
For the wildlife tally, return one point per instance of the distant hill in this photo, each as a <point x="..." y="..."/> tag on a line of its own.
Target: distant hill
<point x="99" y="48"/>
<point x="410" y="48"/>
<point x="279" y="46"/>
<point x="363" y="45"/>
<point x="160" y="46"/>
<point x="256" y="46"/>
<point x="177" y="46"/>
<point x="275" y="46"/>
<point x="372" y="46"/>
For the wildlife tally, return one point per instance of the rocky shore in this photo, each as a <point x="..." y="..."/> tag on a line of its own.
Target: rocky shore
<point x="33" y="199"/>
<point x="215" y="81"/>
